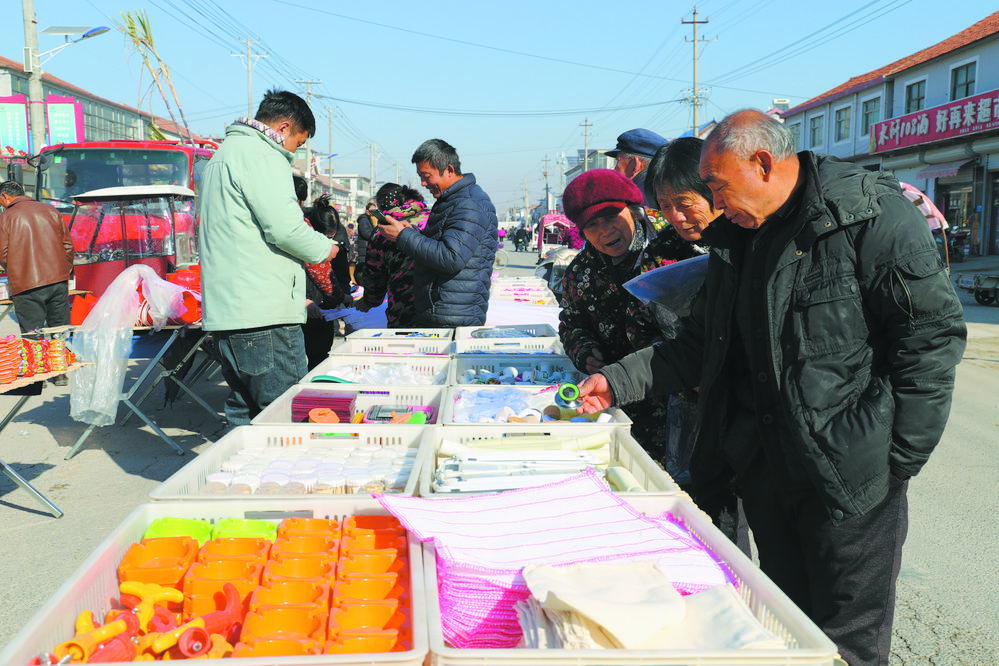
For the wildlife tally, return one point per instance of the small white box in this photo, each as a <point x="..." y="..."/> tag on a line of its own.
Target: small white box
<point x="395" y="346"/>
<point x="495" y="363"/>
<point x="433" y="369"/>
<point x="188" y="482"/>
<point x="451" y="392"/>
<point x="279" y="411"/>
<point x="624" y="449"/>
<point x="395" y="333"/>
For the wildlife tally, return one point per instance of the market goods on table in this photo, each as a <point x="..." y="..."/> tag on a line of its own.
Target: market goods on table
<point x="516" y="458"/>
<point x="368" y="369"/>
<point x="361" y="404"/>
<point x="277" y="462"/>
<point x="325" y="581"/>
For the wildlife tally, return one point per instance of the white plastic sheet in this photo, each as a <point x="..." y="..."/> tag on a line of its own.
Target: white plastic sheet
<point x="104" y="340"/>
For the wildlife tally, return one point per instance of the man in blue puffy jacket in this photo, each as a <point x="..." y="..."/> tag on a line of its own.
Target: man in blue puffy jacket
<point x="454" y="254"/>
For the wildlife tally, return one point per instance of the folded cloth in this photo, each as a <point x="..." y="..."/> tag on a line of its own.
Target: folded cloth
<point x="715" y="619"/>
<point x="631" y="601"/>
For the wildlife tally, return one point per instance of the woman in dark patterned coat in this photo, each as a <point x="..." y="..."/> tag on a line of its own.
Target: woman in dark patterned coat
<point x="388" y="271"/>
<point x="601" y="322"/>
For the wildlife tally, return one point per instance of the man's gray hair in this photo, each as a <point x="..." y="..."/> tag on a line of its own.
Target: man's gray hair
<point x="734" y="134"/>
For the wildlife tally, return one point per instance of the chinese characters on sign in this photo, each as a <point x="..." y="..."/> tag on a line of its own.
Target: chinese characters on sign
<point x="14" y="126"/>
<point x="965" y="116"/>
<point x="65" y="116"/>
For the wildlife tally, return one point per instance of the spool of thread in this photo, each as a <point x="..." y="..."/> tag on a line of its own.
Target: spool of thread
<point x="568" y="396"/>
<point x="323" y="415"/>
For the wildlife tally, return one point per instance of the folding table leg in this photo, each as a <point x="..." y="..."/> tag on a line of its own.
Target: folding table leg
<point x="79" y="442"/>
<point x="17" y="478"/>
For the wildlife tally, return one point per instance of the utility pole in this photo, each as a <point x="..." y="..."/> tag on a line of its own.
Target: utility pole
<point x="249" y="72"/>
<point x="398" y="174"/>
<point x="308" y="141"/>
<point x="329" y="169"/>
<point x="32" y="65"/>
<point x="695" y="98"/>
<point x="586" y="125"/>
<point x="374" y="170"/>
<point x="548" y="199"/>
<point x="560" y="160"/>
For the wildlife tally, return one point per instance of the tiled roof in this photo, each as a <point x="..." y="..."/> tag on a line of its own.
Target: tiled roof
<point x="987" y="27"/>
<point x="164" y="124"/>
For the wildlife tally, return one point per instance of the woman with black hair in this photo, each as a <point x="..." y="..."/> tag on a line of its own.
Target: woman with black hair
<point x="388" y="271"/>
<point x="327" y="284"/>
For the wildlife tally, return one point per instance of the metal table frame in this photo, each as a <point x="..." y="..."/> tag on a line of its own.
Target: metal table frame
<point x="165" y="372"/>
<point x="7" y="469"/>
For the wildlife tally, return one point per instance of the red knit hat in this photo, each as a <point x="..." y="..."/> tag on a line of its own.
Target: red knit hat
<point x="594" y="191"/>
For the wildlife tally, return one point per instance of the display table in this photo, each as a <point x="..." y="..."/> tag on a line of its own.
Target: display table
<point x="184" y="342"/>
<point x="24" y="388"/>
<point x="8" y="304"/>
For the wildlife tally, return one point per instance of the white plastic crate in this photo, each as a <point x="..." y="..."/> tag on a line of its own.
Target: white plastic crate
<point x="190" y="480"/>
<point x="448" y="411"/>
<point x="397" y="346"/>
<point x="539" y="346"/>
<point x="434" y="370"/>
<point x="95" y="582"/>
<point x="495" y="363"/>
<point x="528" y="330"/>
<point x="625" y="452"/>
<point x="395" y="333"/>
<point x="806" y="644"/>
<point x="279" y="411"/>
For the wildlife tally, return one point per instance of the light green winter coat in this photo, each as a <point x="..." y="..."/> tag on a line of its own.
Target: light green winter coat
<point x="253" y="238"/>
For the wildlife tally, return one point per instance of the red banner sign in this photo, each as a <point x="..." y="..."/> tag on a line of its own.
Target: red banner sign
<point x="958" y="118"/>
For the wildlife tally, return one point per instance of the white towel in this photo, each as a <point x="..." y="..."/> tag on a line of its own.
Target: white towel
<point x="631" y="601"/>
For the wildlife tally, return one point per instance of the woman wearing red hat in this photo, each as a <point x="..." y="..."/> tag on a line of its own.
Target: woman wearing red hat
<point x="601" y="322"/>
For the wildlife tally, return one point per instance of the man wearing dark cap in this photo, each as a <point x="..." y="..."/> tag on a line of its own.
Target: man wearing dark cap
<point x="635" y="149"/>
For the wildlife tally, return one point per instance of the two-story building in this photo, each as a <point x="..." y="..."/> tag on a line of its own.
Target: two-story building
<point x="932" y="118"/>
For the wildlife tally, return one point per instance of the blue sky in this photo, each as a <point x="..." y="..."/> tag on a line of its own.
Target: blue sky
<point x="508" y="84"/>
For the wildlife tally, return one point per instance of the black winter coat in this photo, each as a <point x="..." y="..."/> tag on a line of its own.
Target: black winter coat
<point x="865" y="332"/>
<point x="453" y="257"/>
<point x="365" y="229"/>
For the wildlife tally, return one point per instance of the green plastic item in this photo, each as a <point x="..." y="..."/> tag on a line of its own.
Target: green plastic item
<point x="332" y="379"/>
<point x="168" y="526"/>
<point x="245" y="527"/>
<point x="419" y="417"/>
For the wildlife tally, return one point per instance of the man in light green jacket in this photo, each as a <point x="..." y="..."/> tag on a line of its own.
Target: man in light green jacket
<point x="253" y="242"/>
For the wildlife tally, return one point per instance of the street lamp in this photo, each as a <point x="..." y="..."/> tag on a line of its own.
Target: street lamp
<point x="66" y="31"/>
<point x="33" y="66"/>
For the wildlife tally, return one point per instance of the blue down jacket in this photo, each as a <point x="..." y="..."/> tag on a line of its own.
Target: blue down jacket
<point x="453" y="257"/>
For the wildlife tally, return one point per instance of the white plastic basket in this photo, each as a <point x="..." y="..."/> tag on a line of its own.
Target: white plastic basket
<point x="624" y="449"/>
<point x="450" y="393"/>
<point x="806" y="644"/>
<point x="539" y="346"/>
<point x="495" y="363"/>
<point x="433" y="369"/>
<point x="189" y="481"/>
<point x="279" y="411"/>
<point x="95" y="582"/>
<point x="528" y="330"/>
<point x="397" y="346"/>
<point x="395" y="333"/>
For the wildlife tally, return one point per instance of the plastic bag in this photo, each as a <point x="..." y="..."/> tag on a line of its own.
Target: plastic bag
<point x="104" y="340"/>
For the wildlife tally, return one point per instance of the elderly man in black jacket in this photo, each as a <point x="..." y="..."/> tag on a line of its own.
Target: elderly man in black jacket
<point x="824" y="345"/>
<point x="454" y="254"/>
